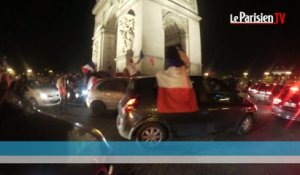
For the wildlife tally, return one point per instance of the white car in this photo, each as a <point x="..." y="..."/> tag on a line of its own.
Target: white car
<point x="41" y="94"/>
<point x="106" y="94"/>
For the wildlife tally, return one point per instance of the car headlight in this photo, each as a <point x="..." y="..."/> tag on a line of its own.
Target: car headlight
<point x="43" y="96"/>
<point x="84" y="92"/>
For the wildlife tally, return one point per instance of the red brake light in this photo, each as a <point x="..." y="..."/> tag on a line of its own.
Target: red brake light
<point x="130" y="105"/>
<point x="276" y="101"/>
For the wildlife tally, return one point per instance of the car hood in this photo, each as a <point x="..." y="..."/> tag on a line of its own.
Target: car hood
<point x="48" y="91"/>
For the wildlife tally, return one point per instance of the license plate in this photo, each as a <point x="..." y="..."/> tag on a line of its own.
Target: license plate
<point x="293" y="105"/>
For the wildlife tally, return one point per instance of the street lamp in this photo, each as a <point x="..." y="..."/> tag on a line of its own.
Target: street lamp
<point x="29" y="71"/>
<point x="288" y="73"/>
<point x="11" y="71"/>
<point x="267" y="73"/>
<point x="245" y="74"/>
<point x="206" y="74"/>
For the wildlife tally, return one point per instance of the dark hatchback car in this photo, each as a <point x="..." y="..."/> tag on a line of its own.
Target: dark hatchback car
<point x="287" y="103"/>
<point x="219" y="109"/>
<point x="18" y="125"/>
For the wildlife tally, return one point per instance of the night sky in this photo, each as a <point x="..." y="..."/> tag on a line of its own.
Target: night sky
<point x="57" y="34"/>
<point x="49" y="33"/>
<point x="256" y="48"/>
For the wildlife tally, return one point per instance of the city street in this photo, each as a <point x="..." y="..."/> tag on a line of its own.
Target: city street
<point x="267" y="128"/>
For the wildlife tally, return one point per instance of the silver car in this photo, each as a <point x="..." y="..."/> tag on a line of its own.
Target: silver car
<point x="106" y="95"/>
<point x="41" y="94"/>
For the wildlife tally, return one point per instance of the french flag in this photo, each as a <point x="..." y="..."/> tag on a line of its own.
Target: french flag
<point x="175" y="91"/>
<point x="92" y="82"/>
<point x="88" y="68"/>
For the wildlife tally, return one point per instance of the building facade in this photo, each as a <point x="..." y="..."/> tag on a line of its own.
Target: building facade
<point x="126" y="28"/>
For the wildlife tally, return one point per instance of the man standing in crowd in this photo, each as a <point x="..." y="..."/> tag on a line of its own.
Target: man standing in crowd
<point x="61" y="85"/>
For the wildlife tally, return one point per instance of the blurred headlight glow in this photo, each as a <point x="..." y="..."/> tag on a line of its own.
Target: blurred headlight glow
<point x="84" y="92"/>
<point x="43" y="96"/>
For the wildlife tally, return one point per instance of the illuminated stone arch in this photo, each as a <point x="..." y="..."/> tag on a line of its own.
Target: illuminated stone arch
<point x="156" y="25"/>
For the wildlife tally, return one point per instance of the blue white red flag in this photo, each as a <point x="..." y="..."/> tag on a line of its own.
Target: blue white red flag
<point x="92" y="81"/>
<point x="175" y="91"/>
<point x="89" y="68"/>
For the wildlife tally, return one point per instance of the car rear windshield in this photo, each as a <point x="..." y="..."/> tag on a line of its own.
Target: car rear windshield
<point x="142" y="86"/>
<point x="288" y="95"/>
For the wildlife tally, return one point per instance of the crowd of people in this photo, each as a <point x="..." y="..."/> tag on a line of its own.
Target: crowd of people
<point x="16" y="86"/>
<point x="176" y="60"/>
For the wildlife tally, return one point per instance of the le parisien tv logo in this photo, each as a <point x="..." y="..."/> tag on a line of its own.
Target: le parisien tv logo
<point x="277" y="18"/>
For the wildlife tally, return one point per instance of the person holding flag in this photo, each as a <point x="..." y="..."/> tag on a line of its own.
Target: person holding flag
<point x="132" y="67"/>
<point x="175" y="90"/>
<point x="89" y="70"/>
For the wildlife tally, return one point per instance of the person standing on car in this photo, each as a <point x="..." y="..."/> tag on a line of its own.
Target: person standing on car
<point x="175" y="89"/>
<point x="183" y="57"/>
<point x="61" y="85"/>
<point x="132" y="68"/>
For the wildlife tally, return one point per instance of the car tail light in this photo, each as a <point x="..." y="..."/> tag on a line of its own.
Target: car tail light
<point x="130" y="105"/>
<point x="276" y="101"/>
<point x="294" y="89"/>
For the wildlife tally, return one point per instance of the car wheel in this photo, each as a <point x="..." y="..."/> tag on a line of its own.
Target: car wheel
<point x="151" y="132"/>
<point x="98" y="108"/>
<point x="31" y="106"/>
<point x="245" y="125"/>
<point x="34" y="104"/>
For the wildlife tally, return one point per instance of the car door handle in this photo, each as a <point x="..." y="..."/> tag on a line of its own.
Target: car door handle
<point x="213" y="109"/>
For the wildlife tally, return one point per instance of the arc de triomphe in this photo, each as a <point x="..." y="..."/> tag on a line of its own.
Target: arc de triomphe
<point x="124" y="28"/>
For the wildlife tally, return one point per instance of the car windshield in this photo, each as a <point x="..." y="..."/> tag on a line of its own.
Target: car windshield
<point x="38" y="85"/>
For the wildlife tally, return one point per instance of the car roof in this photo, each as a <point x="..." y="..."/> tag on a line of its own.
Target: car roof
<point x="108" y="79"/>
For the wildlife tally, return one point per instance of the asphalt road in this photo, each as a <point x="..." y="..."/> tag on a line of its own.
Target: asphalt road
<point x="267" y="128"/>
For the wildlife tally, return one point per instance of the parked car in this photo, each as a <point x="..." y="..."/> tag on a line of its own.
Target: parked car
<point x="106" y="95"/>
<point x="41" y="94"/>
<point x="219" y="108"/>
<point x="287" y="103"/>
<point x="18" y="125"/>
